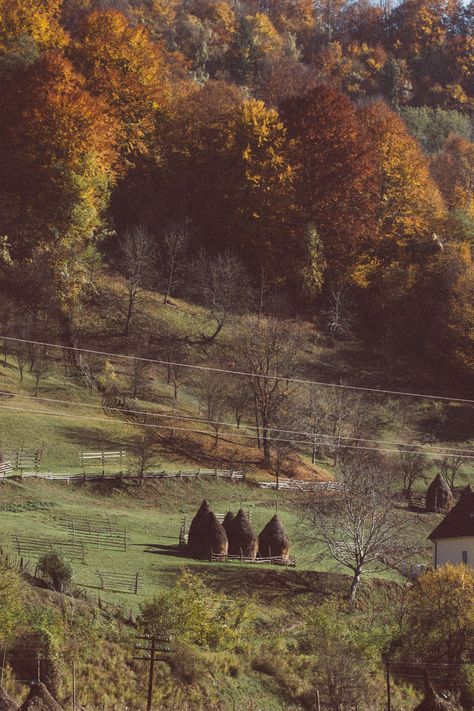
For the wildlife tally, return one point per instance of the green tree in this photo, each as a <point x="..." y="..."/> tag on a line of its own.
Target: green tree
<point x="191" y="613"/>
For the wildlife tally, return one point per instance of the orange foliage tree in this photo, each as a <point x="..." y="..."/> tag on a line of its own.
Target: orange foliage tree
<point x="336" y="172"/>
<point x="57" y="160"/>
<point x="128" y="70"/>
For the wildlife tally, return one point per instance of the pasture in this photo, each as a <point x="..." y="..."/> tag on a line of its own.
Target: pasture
<point x="111" y="528"/>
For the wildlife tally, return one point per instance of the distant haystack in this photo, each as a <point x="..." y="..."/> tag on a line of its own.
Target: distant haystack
<point x="215" y="537"/>
<point x="433" y="702"/>
<point x="197" y="529"/>
<point x="227" y="522"/>
<point x="39" y="699"/>
<point x="6" y="703"/>
<point x="242" y="538"/>
<point x="273" y="540"/>
<point x="439" y="497"/>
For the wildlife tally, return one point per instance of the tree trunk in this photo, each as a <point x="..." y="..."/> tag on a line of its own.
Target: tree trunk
<point x="354" y="585"/>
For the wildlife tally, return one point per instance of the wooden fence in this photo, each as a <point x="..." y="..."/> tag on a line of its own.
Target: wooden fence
<point x="36" y="546"/>
<point x="301" y="485"/>
<point x="5" y="470"/>
<point x="99" y="533"/>
<point x="273" y="560"/>
<point x="119" y="582"/>
<point x="230" y="475"/>
<point x="94" y="459"/>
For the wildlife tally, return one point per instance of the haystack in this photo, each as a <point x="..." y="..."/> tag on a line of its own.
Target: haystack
<point x="39" y="699"/>
<point x="197" y="529"/>
<point x="439" y="497"/>
<point x="227" y="522"/>
<point x="242" y="538"/>
<point x="6" y="703"/>
<point x="273" y="540"/>
<point x="215" y="537"/>
<point x="433" y="702"/>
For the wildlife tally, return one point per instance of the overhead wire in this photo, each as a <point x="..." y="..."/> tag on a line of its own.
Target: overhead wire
<point x="206" y="432"/>
<point x="242" y="373"/>
<point x="407" y="446"/>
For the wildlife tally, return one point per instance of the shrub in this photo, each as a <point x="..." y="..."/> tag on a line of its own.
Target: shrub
<point x="56" y="570"/>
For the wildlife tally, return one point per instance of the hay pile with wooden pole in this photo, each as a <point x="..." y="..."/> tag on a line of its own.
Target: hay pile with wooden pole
<point x="6" y="703"/>
<point x="39" y="699"/>
<point x="273" y="540"/>
<point x="439" y="497"/>
<point x="242" y="538"/>
<point x="227" y="522"/>
<point x="215" y="538"/>
<point x="433" y="702"/>
<point x="197" y="529"/>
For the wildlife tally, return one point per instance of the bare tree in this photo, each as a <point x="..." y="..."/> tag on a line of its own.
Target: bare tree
<point x="339" y="314"/>
<point x="221" y="283"/>
<point x="268" y="351"/>
<point x="286" y="422"/>
<point x="173" y="249"/>
<point x="413" y="464"/>
<point x="139" y="378"/>
<point x="136" y="255"/>
<point x="449" y="467"/>
<point x="358" y="524"/>
<point x="214" y="400"/>
<point x="144" y="450"/>
<point x="239" y="397"/>
<point x="40" y="367"/>
<point x="21" y="355"/>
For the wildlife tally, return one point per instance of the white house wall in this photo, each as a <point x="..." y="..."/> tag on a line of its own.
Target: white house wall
<point x="450" y="551"/>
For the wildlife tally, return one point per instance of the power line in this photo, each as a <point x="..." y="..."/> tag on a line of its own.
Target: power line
<point x="408" y="446"/>
<point x="206" y="432"/>
<point x="242" y="373"/>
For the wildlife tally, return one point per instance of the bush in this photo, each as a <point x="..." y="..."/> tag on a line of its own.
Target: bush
<point x="56" y="570"/>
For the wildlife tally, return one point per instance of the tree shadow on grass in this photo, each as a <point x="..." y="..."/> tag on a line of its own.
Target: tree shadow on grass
<point x="91" y="437"/>
<point x="273" y="585"/>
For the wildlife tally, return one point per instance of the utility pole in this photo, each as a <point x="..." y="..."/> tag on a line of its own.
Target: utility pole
<point x="151" y="645"/>
<point x="73" y="686"/>
<point x="318" y="701"/>
<point x="389" y="702"/>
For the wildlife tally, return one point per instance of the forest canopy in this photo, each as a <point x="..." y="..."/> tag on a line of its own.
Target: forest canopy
<point x="327" y="147"/>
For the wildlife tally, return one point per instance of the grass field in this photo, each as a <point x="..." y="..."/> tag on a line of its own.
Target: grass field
<point x="152" y="515"/>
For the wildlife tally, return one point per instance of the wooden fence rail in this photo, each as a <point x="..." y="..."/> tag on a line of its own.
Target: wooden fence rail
<point x="231" y="475"/>
<point x="301" y="485"/>
<point x="38" y="546"/>
<point x="119" y="582"/>
<point x="273" y="560"/>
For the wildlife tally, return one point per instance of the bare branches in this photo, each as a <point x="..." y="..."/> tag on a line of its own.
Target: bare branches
<point x="136" y="255"/>
<point x="174" y="244"/>
<point x="358" y="524"/>
<point x="221" y="284"/>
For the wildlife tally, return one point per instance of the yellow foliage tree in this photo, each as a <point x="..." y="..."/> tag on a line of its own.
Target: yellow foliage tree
<point x="39" y="21"/>
<point x="411" y="207"/>
<point x="125" y="67"/>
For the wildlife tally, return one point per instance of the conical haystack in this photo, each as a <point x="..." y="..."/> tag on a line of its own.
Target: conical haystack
<point x="39" y="699"/>
<point x="439" y="497"/>
<point x="6" y="703"/>
<point x="227" y="522"/>
<point x="273" y="540"/>
<point x="433" y="702"/>
<point x="197" y="528"/>
<point x="242" y="538"/>
<point x="215" y="537"/>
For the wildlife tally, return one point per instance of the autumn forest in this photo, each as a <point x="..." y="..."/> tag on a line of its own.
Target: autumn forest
<point x="321" y="150"/>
